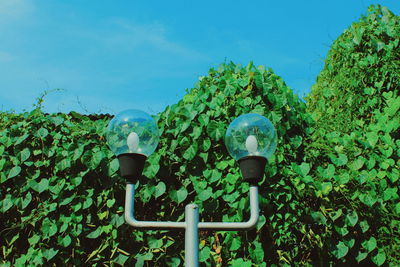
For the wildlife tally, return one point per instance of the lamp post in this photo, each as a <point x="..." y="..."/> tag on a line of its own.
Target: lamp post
<point x="250" y="139"/>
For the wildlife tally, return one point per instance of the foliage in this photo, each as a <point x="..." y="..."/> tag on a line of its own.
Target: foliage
<point x="330" y="193"/>
<point x="356" y="146"/>
<point x="62" y="201"/>
<point x="60" y="195"/>
<point x="194" y="159"/>
<point x="362" y="65"/>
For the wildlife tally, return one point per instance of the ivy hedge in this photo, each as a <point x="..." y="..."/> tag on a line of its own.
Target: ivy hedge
<point x="329" y="197"/>
<point x="355" y="149"/>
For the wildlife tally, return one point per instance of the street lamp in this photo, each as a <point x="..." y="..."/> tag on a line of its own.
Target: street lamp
<point x="133" y="136"/>
<point x="250" y="139"/>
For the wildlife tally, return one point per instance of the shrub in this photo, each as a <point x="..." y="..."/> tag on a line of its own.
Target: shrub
<point x="62" y="201"/>
<point x="356" y="146"/>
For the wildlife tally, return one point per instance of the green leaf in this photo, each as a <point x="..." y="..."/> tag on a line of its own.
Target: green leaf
<point x="42" y="132"/>
<point x="49" y="253"/>
<point x="372" y="138"/>
<point x="240" y="263"/>
<point x="364" y="226"/>
<point x="326" y="188"/>
<point x="117" y="220"/>
<point x="7" y="203"/>
<point x="110" y="202"/>
<point x="64" y="164"/>
<point x="96" y="233"/>
<point x="204" y="120"/>
<point x="205" y="145"/>
<point x="65" y="241"/>
<point x="341" y="250"/>
<point x="216" y="130"/>
<point x="370" y="244"/>
<point x="33" y="240"/>
<point x="236" y="244"/>
<point x="257" y="253"/>
<point x="204" y="156"/>
<point x="76" y="181"/>
<point x="357" y="164"/>
<point x="151" y="170"/>
<point x="329" y="171"/>
<point x="96" y="159"/>
<point x="222" y="165"/>
<point x="113" y="167"/>
<point x="368" y="199"/>
<point x="14" y="172"/>
<point x="261" y="222"/>
<point x="390" y="193"/>
<point x="56" y="189"/>
<point x="361" y="256"/>
<point x="341" y="160"/>
<point x="25" y="202"/>
<point x="52" y="229"/>
<point x="57" y="120"/>
<point x="174" y="261"/>
<point x="343" y="231"/>
<point x="318" y="217"/>
<point x="205" y="254"/>
<point x="41" y="186"/>
<point x="67" y="200"/>
<point x="21" y="139"/>
<point x="49" y="228"/>
<point x="393" y="105"/>
<point x="159" y="189"/>
<point x="121" y="259"/>
<point x="304" y="168"/>
<point x="25" y="154"/>
<point x="205" y="194"/>
<point x="179" y="195"/>
<point x="88" y="202"/>
<point x="379" y="258"/>
<point x="2" y="163"/>
<point x="78" y="153"/>
<point x="232" y="178"/>
<point x="155" y="243"/>
<point x="336" y="214"/>
<point x="351" y="219"/>
<point x="191" y="151"/>
<point x="343" y="178"/>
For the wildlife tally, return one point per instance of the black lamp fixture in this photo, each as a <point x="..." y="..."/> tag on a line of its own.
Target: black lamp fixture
<point x="133" y="136"/>
<point x="251" y="139"/>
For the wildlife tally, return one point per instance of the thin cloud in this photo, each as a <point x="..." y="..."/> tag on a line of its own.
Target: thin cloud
<point x="14" y="9"/>
<point x="5" y="57"/>
<point x="265" y="51"/>
<point x="154" y="34"/>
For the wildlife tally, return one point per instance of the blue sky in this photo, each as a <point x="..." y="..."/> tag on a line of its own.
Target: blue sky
<point x="108" y="56"/>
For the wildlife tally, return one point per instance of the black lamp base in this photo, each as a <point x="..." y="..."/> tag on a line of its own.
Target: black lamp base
<point x="131" y="166"/>
<point x="252" y="168"/>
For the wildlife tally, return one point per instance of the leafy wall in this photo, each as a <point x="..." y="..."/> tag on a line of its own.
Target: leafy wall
<point x="62" y="198"/>
<point x="361" y="71"/>
<point x="356" y="146"/>
<point x="330" y="194"/>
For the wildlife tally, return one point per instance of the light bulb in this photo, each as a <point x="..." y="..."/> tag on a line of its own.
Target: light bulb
<point x="250" y="135"/>
<point x="133" y="142"/>
<point x="132" y="131"/>
<point x="251" y="144"/>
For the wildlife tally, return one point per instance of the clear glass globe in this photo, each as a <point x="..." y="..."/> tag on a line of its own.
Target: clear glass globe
<point x="132" y="131"/>
<point x="251" y="135"/>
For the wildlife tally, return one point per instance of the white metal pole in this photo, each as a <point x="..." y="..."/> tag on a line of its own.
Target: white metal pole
<point x="191" y="223"/>
<point x="192" y="235"/>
